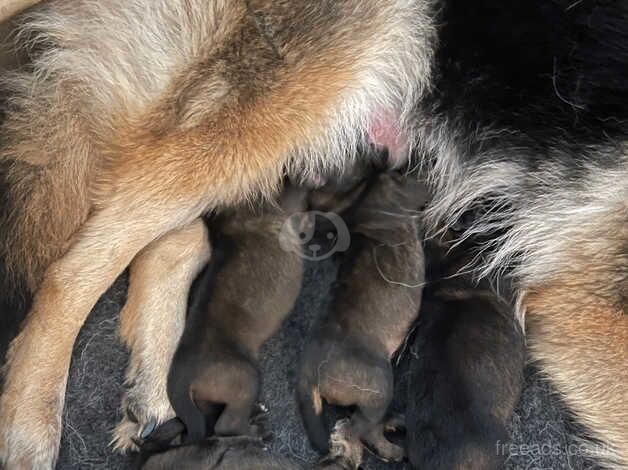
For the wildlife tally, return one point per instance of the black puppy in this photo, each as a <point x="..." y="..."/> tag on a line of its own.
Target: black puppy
<point x="466" y="368"/>
<point x="347" y="360"/>
<point x="251" y="284"/>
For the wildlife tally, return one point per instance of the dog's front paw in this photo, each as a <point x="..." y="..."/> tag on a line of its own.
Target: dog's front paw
<point x="142" y="414"/>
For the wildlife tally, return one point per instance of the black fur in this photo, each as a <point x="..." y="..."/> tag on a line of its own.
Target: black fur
<point x="466" y="371"/>
<point x="538" y="85"/>
<point x="554" y="71"/>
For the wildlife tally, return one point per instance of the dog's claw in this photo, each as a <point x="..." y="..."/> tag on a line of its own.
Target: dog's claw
<point x="148" y="429"/>
<point x="143" y="413"/>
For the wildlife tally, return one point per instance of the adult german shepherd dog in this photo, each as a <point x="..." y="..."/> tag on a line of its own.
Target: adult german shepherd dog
<point x="129" y="120"/>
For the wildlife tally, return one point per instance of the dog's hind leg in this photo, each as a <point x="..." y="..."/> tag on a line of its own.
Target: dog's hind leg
<point x="152" y="322"/>
<point x="577" y="329"/>
<point x="368" y="423"/>
<point x="581" y="344"/>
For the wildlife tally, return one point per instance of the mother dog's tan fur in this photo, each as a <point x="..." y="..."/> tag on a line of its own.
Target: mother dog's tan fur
<point x="577" y="330"/>
<point x="8" y="8"/>
<point x="192" y="106"/>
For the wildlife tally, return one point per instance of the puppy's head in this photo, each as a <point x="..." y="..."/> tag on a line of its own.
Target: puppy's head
<point x="315" y="235"/>
<point x="390" y="210"/>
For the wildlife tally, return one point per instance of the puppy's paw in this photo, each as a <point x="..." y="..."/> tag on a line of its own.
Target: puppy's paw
<point x="334" y="463"/>
<point x="383" y="441"/>
<point x="395" y="423"/>
<point x="345" y="448"/>
<point x="141" y="416"/>
<point x="259" y="425"/>
<point x="384" y="450"/>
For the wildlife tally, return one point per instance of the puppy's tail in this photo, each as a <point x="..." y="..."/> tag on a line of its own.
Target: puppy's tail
<point x="192" y="417"/>
<point x="311" y="408"/>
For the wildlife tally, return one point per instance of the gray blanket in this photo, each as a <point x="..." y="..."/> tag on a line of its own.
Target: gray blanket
<point x="542" y="435"/>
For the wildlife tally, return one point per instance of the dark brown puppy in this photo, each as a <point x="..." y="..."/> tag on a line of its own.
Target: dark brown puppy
<point x="225" y="453"/>
<point x="347" y="360"/>
<point x="252" y="283"/>
<point x="465" y="367"/>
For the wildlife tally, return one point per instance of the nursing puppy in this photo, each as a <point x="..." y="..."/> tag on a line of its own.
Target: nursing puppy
<point x="250" y="287"/>
<point x="227" y="453"/>
<point x="347" y="360"/>
<point x="465" y="365"/>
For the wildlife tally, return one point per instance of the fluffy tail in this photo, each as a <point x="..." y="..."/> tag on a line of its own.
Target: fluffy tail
<point x="311" y="408"/>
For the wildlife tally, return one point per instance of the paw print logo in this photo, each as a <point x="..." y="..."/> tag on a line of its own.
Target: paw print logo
<point x="314" y="235"/>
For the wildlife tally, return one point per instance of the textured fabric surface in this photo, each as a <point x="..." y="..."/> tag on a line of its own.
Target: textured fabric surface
<point x="542" y="435"/>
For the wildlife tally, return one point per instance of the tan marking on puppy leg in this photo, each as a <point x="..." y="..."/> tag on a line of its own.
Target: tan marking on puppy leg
<point x="581" y="343"/>
<point x="152" y="322"/>
<point x="317" y="400"/>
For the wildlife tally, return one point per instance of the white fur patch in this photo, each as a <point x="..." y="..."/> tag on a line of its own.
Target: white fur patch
<point x="537" y="215"/>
